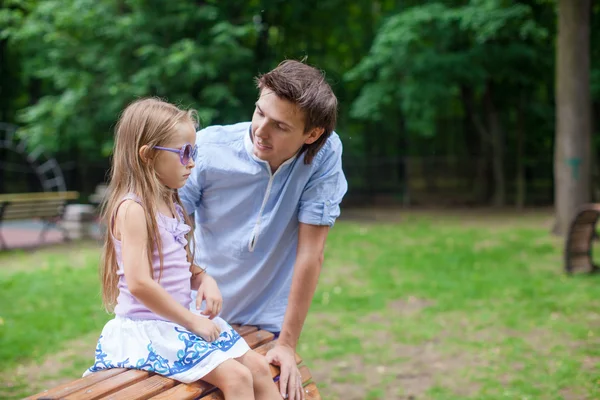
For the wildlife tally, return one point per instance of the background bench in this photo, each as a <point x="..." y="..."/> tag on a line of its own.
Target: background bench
<point x="46" y="206"/>
<point x="134" y="384"/>
<point x="579" y="242"/>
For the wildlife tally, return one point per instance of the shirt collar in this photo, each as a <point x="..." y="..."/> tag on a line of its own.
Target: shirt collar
<point x="249" y="145"/>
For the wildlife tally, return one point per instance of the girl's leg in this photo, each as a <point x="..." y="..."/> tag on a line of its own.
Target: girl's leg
<point x="234" y="380"/>
<point x="264" y="387"/>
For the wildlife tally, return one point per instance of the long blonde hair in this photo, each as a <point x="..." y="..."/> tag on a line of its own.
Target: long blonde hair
<point x="145" y="122"/>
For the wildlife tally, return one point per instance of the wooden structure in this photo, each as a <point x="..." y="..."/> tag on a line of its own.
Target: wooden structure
<point x="579" y="242"/>
<point x="46" y="206"/>
<point x="131" y="384"/>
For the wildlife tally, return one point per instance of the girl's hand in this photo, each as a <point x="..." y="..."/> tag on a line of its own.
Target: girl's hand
<point x="205" y="328"/>
<point x="209" y="291"/>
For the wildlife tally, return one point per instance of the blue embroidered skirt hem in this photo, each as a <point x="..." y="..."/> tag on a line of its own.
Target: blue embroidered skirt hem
<point x="164" y="348"/>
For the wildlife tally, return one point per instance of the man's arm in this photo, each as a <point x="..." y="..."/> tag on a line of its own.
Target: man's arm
<point x="309" y="259"/>
<point x="318" y="209"/>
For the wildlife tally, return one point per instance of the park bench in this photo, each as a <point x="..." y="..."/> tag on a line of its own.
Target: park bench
<point x="131" y="384"/>
<point x="46" y="206"/>
<point x="579" y="242"/>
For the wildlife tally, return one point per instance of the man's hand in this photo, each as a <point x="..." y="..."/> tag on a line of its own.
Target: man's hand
<point x="209" y="291"/>
<point x="290" y="381"/>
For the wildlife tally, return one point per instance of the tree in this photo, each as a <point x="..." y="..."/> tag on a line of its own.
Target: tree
<point x="572" y="152"/>
<point x="430" y="60"/>
<point x="93" y="58"/>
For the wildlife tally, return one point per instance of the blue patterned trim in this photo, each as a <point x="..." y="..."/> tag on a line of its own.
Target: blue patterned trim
<point x="196" y="349"/>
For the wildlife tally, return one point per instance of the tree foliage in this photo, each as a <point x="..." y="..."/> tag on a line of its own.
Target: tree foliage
<point x="92" y="58"/>
<point x="471" y="81"/>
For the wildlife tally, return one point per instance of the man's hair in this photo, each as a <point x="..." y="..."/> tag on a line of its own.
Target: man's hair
<point x="306" y="87"/>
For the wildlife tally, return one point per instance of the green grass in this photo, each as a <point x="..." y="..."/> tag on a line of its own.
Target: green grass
<point x="435" y="307"/>
<point x="43" y="307"/>
<point x="48" y="298"/>
<point x="486" y="300"/>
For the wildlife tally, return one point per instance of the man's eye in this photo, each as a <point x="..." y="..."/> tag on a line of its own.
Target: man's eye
<point x="283" y="128"/>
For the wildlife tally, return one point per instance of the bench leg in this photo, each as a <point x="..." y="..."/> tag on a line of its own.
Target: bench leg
<point x="65" y="232"/>
<point x="48" y="224"/>
<point x="2" y="242"/>
<point x="45" y="228"/>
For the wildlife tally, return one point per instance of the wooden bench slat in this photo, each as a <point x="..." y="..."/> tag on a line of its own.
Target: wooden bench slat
<point x="143" y="390"/>
<point x="29" y="203"/>
<point x="258" y="338"/>
<point x="578" y="250"/>
<point x="70" y="387"/>
<point x="30" y="214"/>
<point x="581" y="237"/>
<point x="311" y="392"/>
<point x="578" y="246"/>
<point x="33" y="213"/>
<point x="182" y="391"/>
<point x="216" y="395"/>
<point x="14" y="197"/>
<point x="587" y="214"/>
<point x="244" y="330"/>
<point x="109" y="386"/>
<point x="37" y="208"/>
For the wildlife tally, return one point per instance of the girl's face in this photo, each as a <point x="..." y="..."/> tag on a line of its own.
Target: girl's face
<point x="168" y="165"/>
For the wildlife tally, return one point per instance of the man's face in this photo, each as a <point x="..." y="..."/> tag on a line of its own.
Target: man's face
<point x="278" y="129"/>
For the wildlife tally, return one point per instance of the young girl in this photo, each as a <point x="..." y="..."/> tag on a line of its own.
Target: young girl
<point x="146" y="270"/>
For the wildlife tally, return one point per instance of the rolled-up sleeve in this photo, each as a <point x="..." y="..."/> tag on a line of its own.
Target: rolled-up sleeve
<point x="321" y="198"/>
<point x="191" y="193"/>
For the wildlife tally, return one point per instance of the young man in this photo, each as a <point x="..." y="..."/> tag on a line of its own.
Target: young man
<point x="264" y="195"/>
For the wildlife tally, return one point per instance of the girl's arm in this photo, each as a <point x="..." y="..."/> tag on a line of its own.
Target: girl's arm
<point x="134" y="237"/>
<point x="198" y="273"/>
<point x="208" y="291"/>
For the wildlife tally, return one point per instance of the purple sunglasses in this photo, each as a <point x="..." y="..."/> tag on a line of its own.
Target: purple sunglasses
<point x="186" y="153"/>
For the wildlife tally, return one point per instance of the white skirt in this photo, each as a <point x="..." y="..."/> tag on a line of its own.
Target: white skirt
<point x="165" y="348"/>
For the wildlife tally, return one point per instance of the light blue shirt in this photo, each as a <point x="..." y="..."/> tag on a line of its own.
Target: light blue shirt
<point x="247" y="218"/>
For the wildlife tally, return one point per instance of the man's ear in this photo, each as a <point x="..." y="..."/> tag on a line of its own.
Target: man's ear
<point x="314" y="135"/>
<point x="145" y="154"/>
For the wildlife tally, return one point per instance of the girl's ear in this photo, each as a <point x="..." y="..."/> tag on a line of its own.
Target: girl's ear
<point x="145" y="154"/>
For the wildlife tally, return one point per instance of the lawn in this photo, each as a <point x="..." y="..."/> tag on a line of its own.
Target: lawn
<point x="424" y="305"/>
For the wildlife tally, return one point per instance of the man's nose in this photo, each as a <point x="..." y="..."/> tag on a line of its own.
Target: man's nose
<point x="262" y="130"/>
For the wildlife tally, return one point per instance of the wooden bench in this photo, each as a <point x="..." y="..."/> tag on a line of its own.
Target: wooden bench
<point x="47" y="206"/>
<point x="131" y="384"/>
<point x="578" y="246"/>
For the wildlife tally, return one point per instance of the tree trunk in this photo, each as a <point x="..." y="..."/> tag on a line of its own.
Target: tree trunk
<point x="520" y="131"/>
<point x="497" y="147"/>
<point x="573" y="115"/>
<point x="477" y="144"/>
